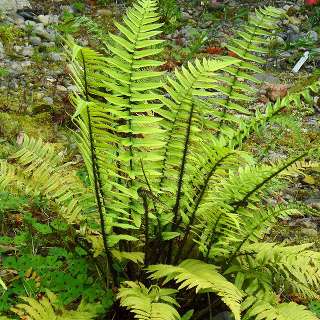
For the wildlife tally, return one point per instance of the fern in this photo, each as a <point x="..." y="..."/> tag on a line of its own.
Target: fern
<point x="46" y="309"/>
<point x="176" y="196"/>
<point x="153" y="304"/>
<point x="203" y="277"/>
<point x="37" y="169"/>
<point x="283" y="311"/>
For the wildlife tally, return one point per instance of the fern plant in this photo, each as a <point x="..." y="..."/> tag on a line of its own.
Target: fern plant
<point x="181" y="208"/>
<point x="46" y="309"/>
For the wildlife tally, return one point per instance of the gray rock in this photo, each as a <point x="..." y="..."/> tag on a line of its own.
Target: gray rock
<point x="309" y="232"/>
<point x="2" y="52"/>
<point x="22" y="4"/>
<point x="313" y="35"/>
<point x="48" y="44"/>
<point x="48" y="101"/>
<point x="8" y="6"/>
<point x="104" y="13"/>
<point x="35" y="41"/>
<point x="286" y="7"/>
<point x="40" y="31"/>
<point x="18" y="20"/>
<point x="30" y="23"/>
<point x="25" y="64"/>
<point x="267" y="77"/>
<point x="61" y="88"/>
<point x="16" y="67"/>
<point x="44" y="19"/>
<point x="68" y="9"/>
<point x="294" y="28"/>
<point x="72" y="88"/>
<point x="293" y="36"/>
<point x="27" y="51"/>
<point x="17" y="49"/>
<point x="314" y="203"/>
<point x="54" y="56"/>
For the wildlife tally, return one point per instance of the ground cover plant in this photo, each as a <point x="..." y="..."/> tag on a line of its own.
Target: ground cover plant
<point x="170" y="213"/>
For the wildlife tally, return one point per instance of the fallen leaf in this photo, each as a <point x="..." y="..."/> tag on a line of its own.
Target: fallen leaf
<point x="309" y="179"/>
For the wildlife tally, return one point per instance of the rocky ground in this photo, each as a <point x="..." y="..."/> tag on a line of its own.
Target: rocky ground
<point x="34" y="82"/>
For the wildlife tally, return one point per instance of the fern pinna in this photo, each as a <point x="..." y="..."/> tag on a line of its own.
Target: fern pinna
<point x="181" y="206"/>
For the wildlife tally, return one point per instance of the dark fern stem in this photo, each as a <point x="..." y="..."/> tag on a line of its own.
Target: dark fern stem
<point x="159" y="233"/>
<point x="180" y="182"/>
<point x="245" y="199"/>
<point x="197" y="203"/>
<point x="99" y="194"/>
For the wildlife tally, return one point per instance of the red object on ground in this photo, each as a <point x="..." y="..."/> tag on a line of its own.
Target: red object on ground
<point x="311" y="2"/>
<point x="215" y="50"/>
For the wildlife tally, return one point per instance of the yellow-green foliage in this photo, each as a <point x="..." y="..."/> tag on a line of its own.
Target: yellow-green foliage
<point x="9" y="34"/>
<point x="47" y="309"/>
<point x="169" y="181"/>
<point x="39" y="125"/>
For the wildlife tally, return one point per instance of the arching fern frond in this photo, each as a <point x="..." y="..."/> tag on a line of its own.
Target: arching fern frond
<point x="249" y="45"/>
<point x="187" y="114"/>
<point x="203" y="277"/>
<point x="295" y="268"/>
<point x="116" y="110"/>
<point x="46" y="309"/>
<point x="36" y="168"/>
<point x="280" y="311"/>
<point x="152" y="303"/>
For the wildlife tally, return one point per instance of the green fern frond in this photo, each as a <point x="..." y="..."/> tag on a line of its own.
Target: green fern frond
<point x="118" y="93"/>
<point x="203" y="277"/>
<point x="37" y="169"/>
<point x="260" y="120"/>
<point x="233" y="203"/>
<point x="186" y="115"/>
<point x="249" y="44"/>
<point x="152" y="303"/>
<point x="295" y="268"/>
<point x="281" y="311"/>
<point x="46" y="309"/>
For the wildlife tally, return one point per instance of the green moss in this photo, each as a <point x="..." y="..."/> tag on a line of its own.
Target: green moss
<point x="38" y="126"/>
<point x="9" y="34"/>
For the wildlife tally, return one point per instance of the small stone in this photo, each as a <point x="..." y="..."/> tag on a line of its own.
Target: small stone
<point x="54" y="56"/>
<point x="35" y="41"/>
<point x="275" y="91"/>
<point x="104" y="13"/>
<point x="28" y="15"/>
<point x="313" y="35"/>
<point x="18" y="20"/>
<point x="61" y="88"/>
<point x="17" y="49"/>
<point x="44" y="19"/>
<point x="48" y="44"/>
<point x="2" y="52"/>
<point x="294" y="28"/>
<point x="22" y="4"/>
<point x="16" y="67"/>
<point x="40" y="31"/>
<point x="8" y="6"/>
<point x="27" y="51"/>
<point x="267" y="77"/>
<point x="72" y="88"/>
<point x="30" y="23"/>
<point x="48" y="101"/>
<point x="309" y="232"/>
<point x="286" y="7"/>
<point x="25" y="64"/>
<point x="277" y="42"/>
<point x="309" y="224"/>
